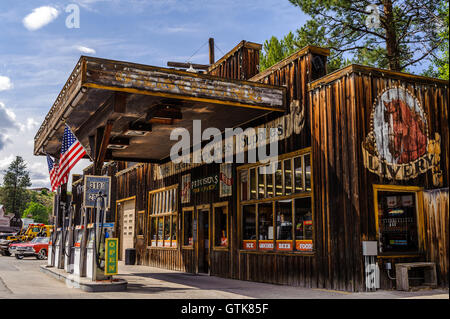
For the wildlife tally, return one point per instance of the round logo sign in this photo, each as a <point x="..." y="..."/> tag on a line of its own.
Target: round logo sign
<point x="399" y="127"/>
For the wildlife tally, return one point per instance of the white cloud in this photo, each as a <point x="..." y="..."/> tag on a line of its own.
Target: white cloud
<point x="5" y="83"/>
<point x="40" y="17"/>
<point x="86" y="50"/>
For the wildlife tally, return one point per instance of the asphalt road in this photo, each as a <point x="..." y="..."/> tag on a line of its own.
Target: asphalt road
<point x="23" y="279"/>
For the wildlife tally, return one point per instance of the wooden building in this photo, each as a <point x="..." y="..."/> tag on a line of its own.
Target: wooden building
<point x="362" y="156"/>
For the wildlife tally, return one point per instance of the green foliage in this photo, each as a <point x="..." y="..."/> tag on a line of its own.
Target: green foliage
<point x="276" y="50"/>
<point x="14" y="194"/>
<point x="37" y="211"/>
<point x="442" y="62"/>
<point x="405" y="35"/>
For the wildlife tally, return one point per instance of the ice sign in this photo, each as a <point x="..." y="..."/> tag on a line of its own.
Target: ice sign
<point x="93" y="185"/>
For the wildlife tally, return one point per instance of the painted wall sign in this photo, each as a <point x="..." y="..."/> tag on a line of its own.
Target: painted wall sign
<point x="398" y="146"/>
<point x="226" y="180"/>
<point x="205" y="184"/>
<point x="186" y="189"/>
<point x="93" y="185"/>
<point x="286" y="125"/>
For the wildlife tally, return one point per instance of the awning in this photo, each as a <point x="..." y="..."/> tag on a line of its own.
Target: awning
<point x="137" y="106"/>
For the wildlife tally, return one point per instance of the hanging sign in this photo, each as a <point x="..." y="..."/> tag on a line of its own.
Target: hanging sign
<point x="398" y="146"/>
<point x="93" y="185"/>
<point x="111" y="256"/>
<point x="226" y="180"/>
<point x="186" y="189"/>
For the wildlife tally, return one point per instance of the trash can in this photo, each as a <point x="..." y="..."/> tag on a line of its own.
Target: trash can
<point x="130" y="256"/>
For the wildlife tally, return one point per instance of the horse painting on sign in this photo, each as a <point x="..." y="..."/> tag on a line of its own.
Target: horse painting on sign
<point x="407" y="132"/>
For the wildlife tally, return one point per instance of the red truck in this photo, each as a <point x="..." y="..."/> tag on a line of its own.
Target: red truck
<point x="38" y="248"/>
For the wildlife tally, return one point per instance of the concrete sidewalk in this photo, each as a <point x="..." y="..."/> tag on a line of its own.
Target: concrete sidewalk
<point x="173" y="284"/>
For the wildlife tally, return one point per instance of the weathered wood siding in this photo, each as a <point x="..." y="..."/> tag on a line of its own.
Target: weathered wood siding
<point x="340" y="110"/>
<point x="436" y="243"/>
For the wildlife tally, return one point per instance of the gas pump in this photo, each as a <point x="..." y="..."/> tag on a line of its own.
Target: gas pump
<point x="90" y="252"/>
<point x="58" y="243"/>
<point x="68" y="253"/>
<point x="79" y="250"/>
<point x="51" y="255"/>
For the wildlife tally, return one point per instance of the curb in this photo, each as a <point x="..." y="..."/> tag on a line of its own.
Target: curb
<point x="84" y="283"/>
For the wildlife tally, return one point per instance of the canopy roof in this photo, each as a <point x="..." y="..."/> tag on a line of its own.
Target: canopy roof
<point x="125" y="99"/>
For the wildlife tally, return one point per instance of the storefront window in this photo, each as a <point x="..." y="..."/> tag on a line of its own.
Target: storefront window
<point x="287" y="177"/>
<point x="298" y="174"/>
<point x="153" y="231"/>
<point x="188" y="238"/>
<point x="167" y="224"/>
<point x="281" y="204"/>
<point x="174" y="231"/>
<point x="303" y="224"/>
<point x="397" y="221"/>
<point x="265" y="226"/>
<point x="253" y="183"/>
<point x="140" y="224"/>
<point x="220" y="226"/>
<point x="244" y="184"/>
<point x="261" y="183"/>
<point x="163" y="211"/>
<point x="307" y="159"/>
<point x="278" y="180"/>
<point x="269" y="182"/>
<point x="249" y="226"/>
<point x="160" y="231"/>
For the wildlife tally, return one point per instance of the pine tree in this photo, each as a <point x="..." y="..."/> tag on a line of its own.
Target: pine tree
<point x="14" y="195"/>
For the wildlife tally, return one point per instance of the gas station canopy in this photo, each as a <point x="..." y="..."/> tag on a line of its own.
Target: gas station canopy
<point x="125" y="111"/>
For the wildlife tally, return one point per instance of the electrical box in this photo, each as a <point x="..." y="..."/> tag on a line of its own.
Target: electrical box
<point x="369" y="248"/>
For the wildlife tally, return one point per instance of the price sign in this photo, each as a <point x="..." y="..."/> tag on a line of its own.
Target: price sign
<point x="93" y="185"/>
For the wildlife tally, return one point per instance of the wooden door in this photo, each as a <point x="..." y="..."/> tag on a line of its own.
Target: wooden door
<point x="128" y="225"/>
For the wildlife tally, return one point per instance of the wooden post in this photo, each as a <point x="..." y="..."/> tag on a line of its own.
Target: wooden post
<point x="211" y="51"/>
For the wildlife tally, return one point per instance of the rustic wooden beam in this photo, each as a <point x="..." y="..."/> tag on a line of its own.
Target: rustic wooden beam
<point x="187" y="65"/>
<point x="100" y="158"/>
<point x="211" y="51"/>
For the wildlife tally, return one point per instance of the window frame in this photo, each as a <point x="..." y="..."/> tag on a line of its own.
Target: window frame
<point x="418" y="194"/>
<point x="156" y="210"/>
<point x="214" y="206"/>
<point x="303" y="194"/>
<point x="184" y="210"/>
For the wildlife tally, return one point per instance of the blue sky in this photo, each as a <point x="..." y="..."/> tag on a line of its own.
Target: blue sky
<point x="38" y="53"/>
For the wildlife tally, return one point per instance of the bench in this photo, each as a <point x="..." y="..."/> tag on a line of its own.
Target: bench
<point x="402" y="276"/>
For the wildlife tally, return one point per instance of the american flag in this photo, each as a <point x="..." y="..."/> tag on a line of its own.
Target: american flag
<point x="53" y="171"/>
<point x="71" y="152"/>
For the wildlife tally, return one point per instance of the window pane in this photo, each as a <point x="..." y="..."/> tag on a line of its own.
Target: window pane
<point x="244" y="185"/>
<point x="249" y="222"/>
<point x="153" y="231"/>
<point x="220" y="226"/>
<point x="283" y="210"/>
<point x="157" y="195"/>
<point x="174" y="230"/>
<point x="160" y="231"/>
<point x="252" y="183"/>
<point x="269" y="182"/>
<point x="265" y="226"/>
<point x="187" y="228"/>
<point x="287" y="177"/>
<point x="397" y="221"/>
<point x="308" y="172"/>
<point x="261" y="183"/>
<point x="166" y="231"/>
<point x="298" y="174"/>
<point x="303" y="224"/>
<point x="174" y="199"/>
<point x="140" y="226"/>
<point x="278" y="180"/>
<point x="153" y="203"/>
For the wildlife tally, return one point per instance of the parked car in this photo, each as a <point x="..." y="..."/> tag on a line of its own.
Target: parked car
<point x="38" y="247"/>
